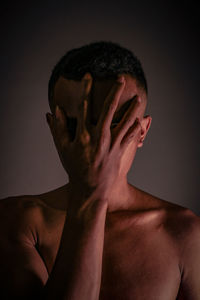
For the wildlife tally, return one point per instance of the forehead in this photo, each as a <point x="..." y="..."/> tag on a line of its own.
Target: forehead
<point x="68" y="94"/>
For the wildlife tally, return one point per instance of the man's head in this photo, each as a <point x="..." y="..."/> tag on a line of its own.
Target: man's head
<point x="104" y="61"/>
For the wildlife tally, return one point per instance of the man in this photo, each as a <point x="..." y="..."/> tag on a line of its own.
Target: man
<point x="98" y="237"/>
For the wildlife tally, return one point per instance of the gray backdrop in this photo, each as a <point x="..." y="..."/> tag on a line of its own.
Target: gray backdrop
<point x="162" y="34"/>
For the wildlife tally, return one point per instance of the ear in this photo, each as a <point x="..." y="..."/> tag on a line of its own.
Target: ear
<point x="145" y="124"/>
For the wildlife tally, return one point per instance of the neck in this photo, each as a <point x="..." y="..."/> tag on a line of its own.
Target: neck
<point x="122" y="196"/>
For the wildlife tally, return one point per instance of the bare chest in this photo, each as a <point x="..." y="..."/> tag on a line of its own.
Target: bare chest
<point x="140" y="265"/>
<point x="139" y="262"/>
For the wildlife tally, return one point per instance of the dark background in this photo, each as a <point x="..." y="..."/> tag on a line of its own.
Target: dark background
<point x="165" y="37"/>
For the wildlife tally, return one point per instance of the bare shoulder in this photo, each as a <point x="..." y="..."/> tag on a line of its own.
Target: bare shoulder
<point x="179" y="221"/>
<point x="182" y="229"/>
<point x="25" y="214"/>
<point x="23" y="204"/>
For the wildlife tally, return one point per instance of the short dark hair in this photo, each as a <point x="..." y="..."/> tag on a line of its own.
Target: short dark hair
<point x="102" y="60"/>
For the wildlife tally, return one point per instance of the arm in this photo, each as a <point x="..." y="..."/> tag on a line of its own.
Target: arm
<point x="23" y="273"/>
<point x="190" y="261"/>
<point x="77" y="270"/>
<point x="88" y="159"/>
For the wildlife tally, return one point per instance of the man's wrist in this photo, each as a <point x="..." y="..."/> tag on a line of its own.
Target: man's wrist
<point x="84" y="202"/>
<point x="82" y="192"/>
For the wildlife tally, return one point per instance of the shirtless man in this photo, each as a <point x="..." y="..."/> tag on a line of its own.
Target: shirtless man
<point x="98" y="237"/>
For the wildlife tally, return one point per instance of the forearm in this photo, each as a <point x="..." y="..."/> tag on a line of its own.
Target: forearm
<point x="77" y="269"/>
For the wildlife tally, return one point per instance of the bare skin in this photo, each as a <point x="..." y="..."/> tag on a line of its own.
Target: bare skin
<point x="95" y="238"/>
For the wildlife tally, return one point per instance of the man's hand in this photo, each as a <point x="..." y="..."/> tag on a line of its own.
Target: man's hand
<point x="92" y="159"/>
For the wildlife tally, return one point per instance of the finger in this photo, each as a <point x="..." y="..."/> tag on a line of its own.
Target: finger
<point x="82" y="132"/>
<point x="128" y="119"/>
<point x="133" y="133"/>
<point x="110" y="106"/>
<point x="82" y="124"/>
<point x="82" y="117"/>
